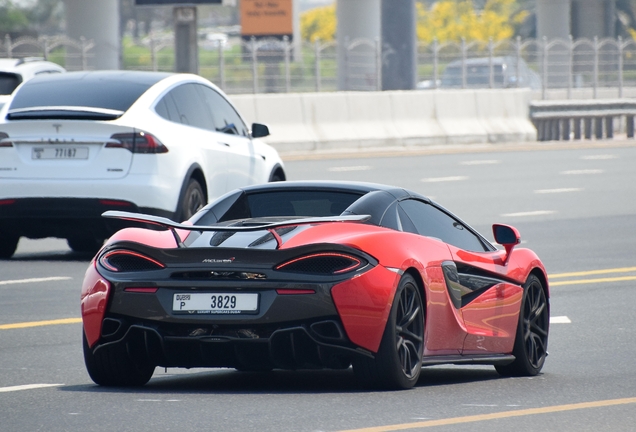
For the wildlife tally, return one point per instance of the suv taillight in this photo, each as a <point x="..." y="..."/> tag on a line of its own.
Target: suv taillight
<point x="137" y="142"/>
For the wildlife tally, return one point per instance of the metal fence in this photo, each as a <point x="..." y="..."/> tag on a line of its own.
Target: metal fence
<point x="70" y="53"/>
<point x="275" y="66"/>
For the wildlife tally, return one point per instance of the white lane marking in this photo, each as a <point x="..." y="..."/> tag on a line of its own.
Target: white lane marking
<point x="33" y="280"/>
<point x="582" y="171"/>
<point x="599" y="157"/>
<point x="560" y="320"/>
<point x="27" y="387"/>
<point x="480" y="162"/>
<point x="350" y="168"/>
<point x="560" y="190"/>
<point x="529" y="213"/>
<point x="444" y="179"/>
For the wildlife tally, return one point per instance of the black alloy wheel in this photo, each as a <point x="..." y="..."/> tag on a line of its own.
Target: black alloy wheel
<point x="8" y="245"/>
<point x="193" y="200"/>
<point x="531" y="342"/>
<point x="398" y="363"/>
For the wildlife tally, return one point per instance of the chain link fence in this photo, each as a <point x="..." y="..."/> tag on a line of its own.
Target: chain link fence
<point x="280" y="66"/>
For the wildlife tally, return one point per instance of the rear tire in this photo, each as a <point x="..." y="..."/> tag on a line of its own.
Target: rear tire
<point x="398" y="363"/>
<point x="85" y="245"/>
<point x="531" y="341"/>
<point x="8" y="245"/>
<point x="112" y="367"/>
<point x="277" y="176"/>
<point x="193" y="200"/>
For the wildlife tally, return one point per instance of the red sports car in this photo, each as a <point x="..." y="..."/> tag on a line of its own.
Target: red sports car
<point x="297" y="275"/>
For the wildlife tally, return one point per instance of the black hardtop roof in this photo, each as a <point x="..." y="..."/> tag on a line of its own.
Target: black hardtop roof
<point x="343" y="186"/>
<point x="219" y="208"/>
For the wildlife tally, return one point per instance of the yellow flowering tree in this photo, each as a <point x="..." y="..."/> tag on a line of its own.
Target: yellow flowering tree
<point x="450" y="20"/>
<point x="319" y="23"/>
<point x="446" y="20"/>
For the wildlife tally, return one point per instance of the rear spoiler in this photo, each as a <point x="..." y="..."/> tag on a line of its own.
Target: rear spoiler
<point x="271" y="227"/>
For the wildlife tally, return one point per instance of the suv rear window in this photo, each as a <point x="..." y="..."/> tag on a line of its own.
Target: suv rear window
<point x="109" y="90"/>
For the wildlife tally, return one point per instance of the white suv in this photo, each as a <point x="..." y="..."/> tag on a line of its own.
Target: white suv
<point x="14" y="72"/>
<point x="76" y="144"/>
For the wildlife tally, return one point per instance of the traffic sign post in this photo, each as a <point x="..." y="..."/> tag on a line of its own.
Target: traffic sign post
<point x="185" y="39"/>
<point x="186" y="47"/>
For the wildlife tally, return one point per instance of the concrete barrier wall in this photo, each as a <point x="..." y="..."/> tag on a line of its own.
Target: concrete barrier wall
<point x="301" y="122"/>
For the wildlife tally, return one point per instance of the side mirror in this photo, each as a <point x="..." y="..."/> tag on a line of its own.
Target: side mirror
<point x="259" y="130"/>
<point x="506" y="236"/>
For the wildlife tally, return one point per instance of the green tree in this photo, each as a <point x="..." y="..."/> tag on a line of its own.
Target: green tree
<point x="12" y="18"/>
<point x="46" y="16"/>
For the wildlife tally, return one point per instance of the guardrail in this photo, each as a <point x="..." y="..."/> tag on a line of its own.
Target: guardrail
<point x="302" y="122"/>
<point x="582" y="119"/>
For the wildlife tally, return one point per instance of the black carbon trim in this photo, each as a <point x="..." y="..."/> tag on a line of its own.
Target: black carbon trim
<point x="466" y="283"/>
<point x="293" y="346"/>
<point x="486" y="359"/>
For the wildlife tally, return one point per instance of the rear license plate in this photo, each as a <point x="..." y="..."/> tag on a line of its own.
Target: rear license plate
<point x="215" y="303"/>
<point x="59" y="152"/>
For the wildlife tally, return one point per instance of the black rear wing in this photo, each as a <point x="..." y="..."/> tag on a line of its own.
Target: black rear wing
<point x="271" y="227"/>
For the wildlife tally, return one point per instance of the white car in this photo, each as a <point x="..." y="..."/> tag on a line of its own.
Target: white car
<point x="14" y="72"/>
<point x="77" y="144"/>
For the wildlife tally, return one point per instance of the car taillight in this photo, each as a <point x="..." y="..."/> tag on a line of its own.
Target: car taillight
<point x="137" y="142"/>
<point x="4" y="140"/>
<point x="128" y="261"/>
<point x="323" y="263"/>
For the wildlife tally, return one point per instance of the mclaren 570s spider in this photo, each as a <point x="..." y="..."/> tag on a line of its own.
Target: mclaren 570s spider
<point x="301" y="275"/>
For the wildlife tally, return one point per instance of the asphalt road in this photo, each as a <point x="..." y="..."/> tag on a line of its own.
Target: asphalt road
<point x="575" y="207"/>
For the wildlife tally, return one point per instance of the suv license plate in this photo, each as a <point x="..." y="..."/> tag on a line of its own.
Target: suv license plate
<point x="59" y="152"/>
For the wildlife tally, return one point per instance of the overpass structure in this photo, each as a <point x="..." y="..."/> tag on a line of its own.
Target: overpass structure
<point x="576" y="18"/>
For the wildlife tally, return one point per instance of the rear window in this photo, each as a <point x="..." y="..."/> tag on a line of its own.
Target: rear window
<point x="475" y="74"/>
<point x="300" y="203"/>
<point x="9" y="82"/>
<point x="115" y="91"/>
<point x="289" y="203"/>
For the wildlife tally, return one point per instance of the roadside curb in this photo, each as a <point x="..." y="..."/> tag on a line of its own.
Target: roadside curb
<point x="401" y="151"/>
